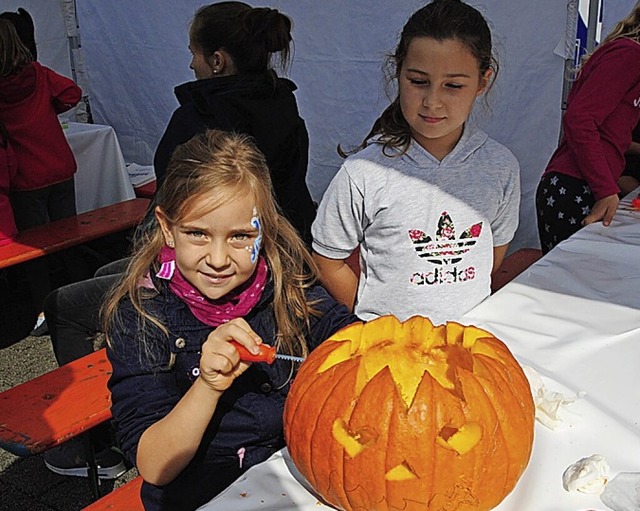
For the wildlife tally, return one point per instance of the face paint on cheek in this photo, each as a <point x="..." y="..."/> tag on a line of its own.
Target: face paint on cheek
<point x="255" y="250"/>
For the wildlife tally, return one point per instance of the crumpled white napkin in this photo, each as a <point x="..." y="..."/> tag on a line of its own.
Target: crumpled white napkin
<point x="549" y="404"/>
<point x="587" y="475"/>
<point x="591" y="475"/>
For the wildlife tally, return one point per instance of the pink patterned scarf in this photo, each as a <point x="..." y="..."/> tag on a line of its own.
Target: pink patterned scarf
<point x="235" y="304"/>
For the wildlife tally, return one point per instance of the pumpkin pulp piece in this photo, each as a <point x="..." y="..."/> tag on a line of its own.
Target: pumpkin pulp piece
<point x="454" y="332"/>
<point x="471" y="335"/>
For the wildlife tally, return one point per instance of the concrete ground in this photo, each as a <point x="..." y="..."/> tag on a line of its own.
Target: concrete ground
<point x="25" y="483"/>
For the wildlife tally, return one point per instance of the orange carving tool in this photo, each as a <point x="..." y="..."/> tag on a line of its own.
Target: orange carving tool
<point x="266" y="354"/>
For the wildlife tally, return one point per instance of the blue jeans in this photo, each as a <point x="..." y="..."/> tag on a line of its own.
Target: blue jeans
<point x="73" y="312"/>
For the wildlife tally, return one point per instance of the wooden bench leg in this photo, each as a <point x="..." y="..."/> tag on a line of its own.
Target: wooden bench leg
<point x="90" y="457"/>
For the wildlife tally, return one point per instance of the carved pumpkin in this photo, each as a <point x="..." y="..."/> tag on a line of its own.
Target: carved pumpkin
<point x="406" y="416"/>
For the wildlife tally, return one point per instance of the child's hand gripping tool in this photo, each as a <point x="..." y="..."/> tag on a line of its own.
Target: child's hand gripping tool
<point x="266" y="354"/>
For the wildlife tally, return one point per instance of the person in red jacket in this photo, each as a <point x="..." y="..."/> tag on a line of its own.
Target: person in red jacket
<point x="31" y="97"/>
<point x="580" y="184"/>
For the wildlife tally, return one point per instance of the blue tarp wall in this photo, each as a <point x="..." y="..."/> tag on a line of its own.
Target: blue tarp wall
<point x="135" y="52"/>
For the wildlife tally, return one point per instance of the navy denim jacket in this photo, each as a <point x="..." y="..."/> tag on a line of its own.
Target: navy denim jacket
<point x="247" y="425"/>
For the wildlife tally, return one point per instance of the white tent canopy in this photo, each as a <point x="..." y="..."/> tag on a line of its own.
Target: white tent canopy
<point x="135" y="53"/>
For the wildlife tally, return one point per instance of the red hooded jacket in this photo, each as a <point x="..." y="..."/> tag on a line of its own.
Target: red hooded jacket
<point x="30" y="101"/>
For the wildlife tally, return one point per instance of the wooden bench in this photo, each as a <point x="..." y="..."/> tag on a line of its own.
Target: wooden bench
<point x="56" y="406"/>
<point x="513" y="265"/>
<point x="68" y="232"/>
<point x="147" y="191"/>
<point x="126" y="497"/>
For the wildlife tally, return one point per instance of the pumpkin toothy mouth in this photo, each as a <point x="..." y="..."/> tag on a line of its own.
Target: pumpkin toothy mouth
<point x="409" y="349"/>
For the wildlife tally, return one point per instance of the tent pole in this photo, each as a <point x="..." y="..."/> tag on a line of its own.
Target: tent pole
<point x="570" y="68"/>
<point x="592" y="27"/>
<point x="83" y="110"/>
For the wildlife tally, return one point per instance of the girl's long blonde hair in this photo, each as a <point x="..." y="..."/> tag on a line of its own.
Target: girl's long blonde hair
<point x="217" y="165"/>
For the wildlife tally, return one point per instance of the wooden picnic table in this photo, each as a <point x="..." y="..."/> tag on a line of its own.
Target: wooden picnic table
<point x="68" y="232"/>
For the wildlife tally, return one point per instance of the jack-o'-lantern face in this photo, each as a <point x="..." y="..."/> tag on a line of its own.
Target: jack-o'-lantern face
<point x="387" y="415"/>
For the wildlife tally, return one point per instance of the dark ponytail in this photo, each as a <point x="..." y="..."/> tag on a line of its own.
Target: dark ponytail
<point x="251" y="36"/>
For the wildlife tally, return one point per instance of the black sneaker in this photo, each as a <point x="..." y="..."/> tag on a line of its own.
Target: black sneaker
<point x="68" y="460"/>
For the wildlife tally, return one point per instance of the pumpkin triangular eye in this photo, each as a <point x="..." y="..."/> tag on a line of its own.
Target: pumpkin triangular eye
<point x="462" y="439"/>
<point x="353" y="442"/>
<point x="403" y="415"/>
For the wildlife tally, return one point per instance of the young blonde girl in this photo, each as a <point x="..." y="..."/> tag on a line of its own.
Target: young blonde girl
<point x="430" y="201"/>
<point x="222" y="264"/>
<point x="580" y="183"/>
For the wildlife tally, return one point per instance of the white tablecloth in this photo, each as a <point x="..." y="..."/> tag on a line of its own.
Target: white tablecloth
<point x="102" y="178"/>
<point x="574" y="317"/>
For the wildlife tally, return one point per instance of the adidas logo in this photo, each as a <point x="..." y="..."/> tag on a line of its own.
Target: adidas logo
<point x="446" y="248"/>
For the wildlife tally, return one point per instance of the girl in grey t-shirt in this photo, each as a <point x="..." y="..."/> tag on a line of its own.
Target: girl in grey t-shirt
<point x="430" y="202"/>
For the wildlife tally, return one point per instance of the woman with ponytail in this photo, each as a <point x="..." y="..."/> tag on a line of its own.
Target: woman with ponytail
<point x="236" y="89"/>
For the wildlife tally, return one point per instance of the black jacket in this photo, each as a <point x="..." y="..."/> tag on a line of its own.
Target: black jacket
<point x="249" y="414"/>
<point x="262" y="106"/>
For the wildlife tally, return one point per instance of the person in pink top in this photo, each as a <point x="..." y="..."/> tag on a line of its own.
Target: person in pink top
<point x="580" y="183"/>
